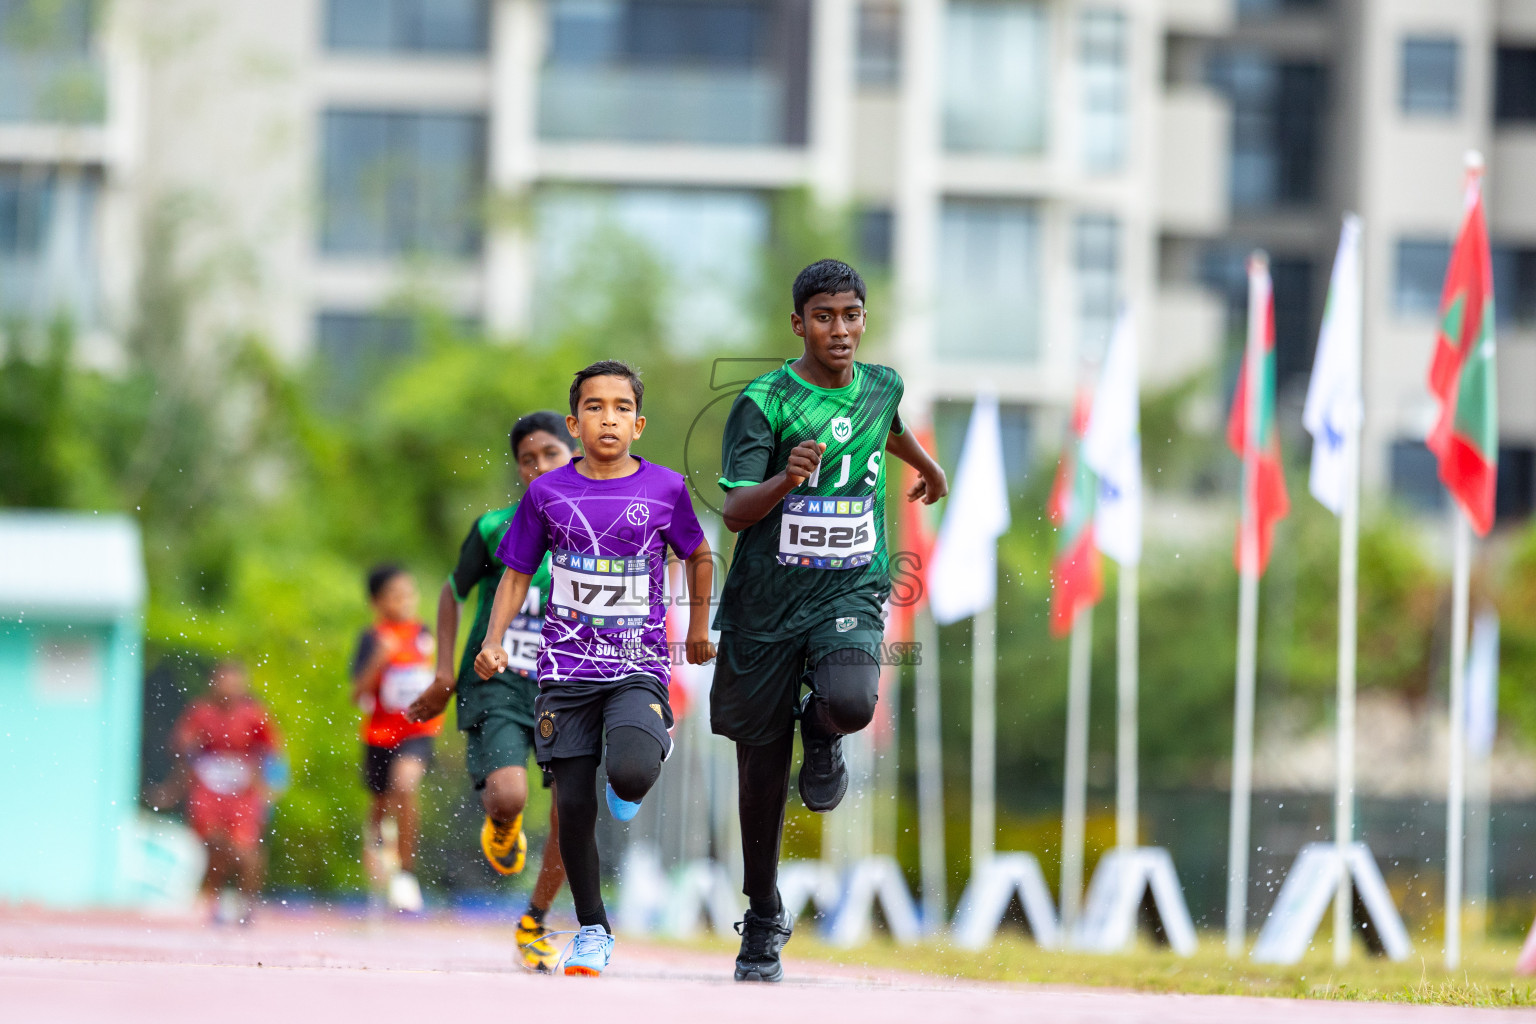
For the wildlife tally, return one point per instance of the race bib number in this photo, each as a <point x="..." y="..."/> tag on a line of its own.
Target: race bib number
<point x="224" y="774"/>
<point x="402" y="684"/>
<point x="523" y="641"/>
<point x="827" y="533"/>
<point x="604" y="593"/>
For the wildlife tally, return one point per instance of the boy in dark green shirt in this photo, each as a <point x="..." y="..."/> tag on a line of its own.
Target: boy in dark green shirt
<point x="804" y="476"/>
<point x="496" y="714"/>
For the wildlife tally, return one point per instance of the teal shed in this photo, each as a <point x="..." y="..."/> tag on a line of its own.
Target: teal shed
<point x="72" y="594"/>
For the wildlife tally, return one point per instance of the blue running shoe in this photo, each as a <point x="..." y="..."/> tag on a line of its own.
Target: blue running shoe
<point x="591" y="950"/>
<point x="622" y="810"/>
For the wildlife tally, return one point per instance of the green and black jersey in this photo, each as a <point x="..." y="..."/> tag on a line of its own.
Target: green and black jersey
<point x="479" y="569"/>
<point x="821" y="552"/>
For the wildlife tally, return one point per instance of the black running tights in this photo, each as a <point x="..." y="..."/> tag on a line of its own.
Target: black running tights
<point x="634" y="763"/>
<point x="844" y="688"/>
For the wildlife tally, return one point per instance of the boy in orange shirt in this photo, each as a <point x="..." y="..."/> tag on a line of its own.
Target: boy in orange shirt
<point x="391" y="668"/>
<point x="223" y="740"/>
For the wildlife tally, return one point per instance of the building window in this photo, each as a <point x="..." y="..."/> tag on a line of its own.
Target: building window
<point x="48" y="255"/>
<point x="1515" y="487"/>
<point x="48" y="72"/>
<point x="350" y="341"/>
<point x="408" y="26"/>
<point x="730" y="73"/>
<point x="1430" y="75"/>
<point x="1106" y="122"/>
<point x="1278" y="109"/>
<point x="996" y="76"/>
<point x="1514" y="286"/>
<point x="1271" y="8"/>
<point x="1421" y="266"/>
<point x="1415" y="476"/>
<point x="877" y="236"/>
<point x="1096" y="250"/>
<point x="1016" y="431"/>
<point x="879" y="64"/>
<point x="1514" y="89"/>
<point x="397" y="183"/>
<point x="703" y="245"/>
<point x="990" y="273"/>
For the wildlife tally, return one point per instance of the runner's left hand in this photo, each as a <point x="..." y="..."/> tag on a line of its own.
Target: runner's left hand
<point x="930" y="487"/>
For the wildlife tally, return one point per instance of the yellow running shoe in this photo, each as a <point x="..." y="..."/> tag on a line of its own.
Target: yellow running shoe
<point x="539" y="954"/>
<point x="504" y="845"/>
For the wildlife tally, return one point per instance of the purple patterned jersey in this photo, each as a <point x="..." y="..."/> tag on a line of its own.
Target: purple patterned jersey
<point x="607" y="541"/>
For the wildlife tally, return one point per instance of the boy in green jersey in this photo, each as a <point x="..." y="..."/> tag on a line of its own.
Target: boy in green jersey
<point x="496" y="714"/>
<point x="804" y="476"/>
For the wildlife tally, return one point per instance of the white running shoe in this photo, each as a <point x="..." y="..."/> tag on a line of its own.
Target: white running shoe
<point x="405" y="893"/>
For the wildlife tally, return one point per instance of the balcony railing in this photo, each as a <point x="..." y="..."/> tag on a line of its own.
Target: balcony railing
<point x="739" y="107"/>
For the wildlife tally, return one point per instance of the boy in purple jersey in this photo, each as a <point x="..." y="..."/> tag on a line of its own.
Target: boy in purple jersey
<point x="607" y="520"/>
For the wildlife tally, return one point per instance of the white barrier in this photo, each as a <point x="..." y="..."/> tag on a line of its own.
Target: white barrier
<point x="162" y="863"/>
<point x="989" y="892"/>
<point x="1313" y="882"/>
<point x="809" y="882"/>
<point x="871" y="879"/>
<point x="1114" y="902"/>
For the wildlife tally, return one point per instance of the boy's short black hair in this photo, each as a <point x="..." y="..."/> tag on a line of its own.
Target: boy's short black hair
<point x="546" y="420"/>
<point x="379" y="577"/>
<point x="830" y="276"/>
<point x="607" y="368"/>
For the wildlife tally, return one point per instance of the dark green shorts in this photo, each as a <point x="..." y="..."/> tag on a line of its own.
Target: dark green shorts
<point x="757" y="682"/>
<point x="501" y="739"/>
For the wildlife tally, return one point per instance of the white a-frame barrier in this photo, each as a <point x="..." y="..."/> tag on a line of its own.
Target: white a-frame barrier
<point x="1311" y="885"/>
<point x="871" y="879"/>
<point x="992" y="888"/>
<point x="805" y="883"/>
<point x="1120" y="884"/>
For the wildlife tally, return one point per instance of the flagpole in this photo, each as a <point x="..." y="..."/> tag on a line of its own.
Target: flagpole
<point x="930" y="775"/>
<point x="1126" y="839"/>
<point x="1247" y="634"/>
<point x="1349" y="572"/>
<point x="1075" y="798"/>
<point x="1460" y="587"/>
<point x="983" y="735"/>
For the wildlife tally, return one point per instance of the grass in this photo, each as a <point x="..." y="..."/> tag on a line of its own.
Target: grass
<point x="1486" y="979"/>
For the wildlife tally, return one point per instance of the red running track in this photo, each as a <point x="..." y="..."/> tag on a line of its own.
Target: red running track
<point x="300" y="967"/>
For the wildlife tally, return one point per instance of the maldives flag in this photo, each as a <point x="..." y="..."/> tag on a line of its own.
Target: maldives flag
<point x="1265" y="501"/>
<point x="1465" y="437"/>
<point x="1075" y="575"/>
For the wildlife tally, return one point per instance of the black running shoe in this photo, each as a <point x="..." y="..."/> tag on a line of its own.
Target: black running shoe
<point x="823" y="775"/>
<point x="761" y="940"/>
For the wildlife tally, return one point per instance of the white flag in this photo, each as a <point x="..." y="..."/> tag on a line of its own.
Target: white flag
<point x="1483" y="684"/>
<point x="963" y="577"/>
<point x="1332" y="411"/>
<point x="1112" y="448"/>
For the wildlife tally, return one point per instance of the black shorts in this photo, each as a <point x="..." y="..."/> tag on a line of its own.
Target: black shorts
<point x="378" y="762"/>
<point x="574" y="718"/>
<point x="757" y="682"/>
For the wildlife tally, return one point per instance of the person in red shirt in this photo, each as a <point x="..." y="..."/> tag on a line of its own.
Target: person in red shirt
<point x="224" y="740"/>
<point x="392" y="666"/>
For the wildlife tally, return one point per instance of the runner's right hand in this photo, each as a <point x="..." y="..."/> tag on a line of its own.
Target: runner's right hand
<point x="803" y="460"/>
<point x="491" y="660"/>
<point x="432" y="700"/>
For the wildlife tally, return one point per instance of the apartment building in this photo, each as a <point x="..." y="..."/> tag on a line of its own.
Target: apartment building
<point x="1013" y="165"/>
<point x="1369" y="105"/>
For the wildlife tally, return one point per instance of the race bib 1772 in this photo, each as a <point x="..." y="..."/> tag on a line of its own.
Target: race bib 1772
<point x="604" y="593"/>
<point x="827" y="533"/>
